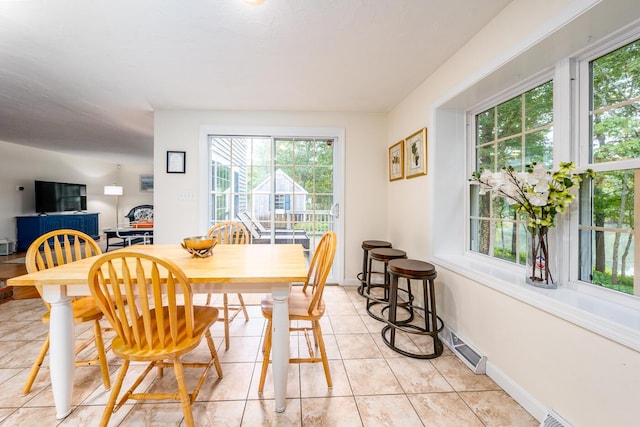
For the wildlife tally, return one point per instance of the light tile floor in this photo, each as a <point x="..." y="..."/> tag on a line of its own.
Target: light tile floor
<point x="372" y="384"/>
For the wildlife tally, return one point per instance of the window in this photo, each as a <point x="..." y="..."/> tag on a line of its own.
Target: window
<point x="283" y="202"/>
<point x="609" y="201"/>
<point x="220" y="185"/>
<point x="516" y="132"/>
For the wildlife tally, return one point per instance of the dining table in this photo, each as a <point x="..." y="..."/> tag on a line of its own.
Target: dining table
<point x="230" y="269"/>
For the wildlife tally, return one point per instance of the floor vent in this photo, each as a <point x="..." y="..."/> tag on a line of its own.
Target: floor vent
<point x="470" y="357"/>
<point x="553" y="420"/>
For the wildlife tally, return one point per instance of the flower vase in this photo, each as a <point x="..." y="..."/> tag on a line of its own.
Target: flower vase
<point x="541" y="266"/>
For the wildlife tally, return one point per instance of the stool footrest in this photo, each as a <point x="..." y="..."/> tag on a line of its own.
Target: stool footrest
<point x="389" y="331"/>
<point x="390" y="342"/>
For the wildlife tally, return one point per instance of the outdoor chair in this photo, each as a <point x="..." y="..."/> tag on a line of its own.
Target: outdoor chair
<point x="259" y="234"/>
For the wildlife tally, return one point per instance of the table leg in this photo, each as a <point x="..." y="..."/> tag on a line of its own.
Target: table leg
<point x="280" y="346"/>
<point x="61" y="353"/>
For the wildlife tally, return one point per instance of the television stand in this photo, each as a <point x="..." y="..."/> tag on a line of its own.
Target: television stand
<point x="30" y="227"/>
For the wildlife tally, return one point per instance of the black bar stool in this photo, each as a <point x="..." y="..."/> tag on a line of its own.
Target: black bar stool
<point x="382" y="255"/>
<point x="366" y="246"/>
<point x="417" y="270"/>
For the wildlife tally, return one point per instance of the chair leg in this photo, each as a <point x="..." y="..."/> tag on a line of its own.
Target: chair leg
<point x="214" y="353"/>
<point x="184" y="394"/>
<point x="323" y="353"/>
<point x="208" y="299"/>
<point x="35" y="368"/>
<point x="266" y="356"/>
<point x="102" y="356"/>
<point x="226" y="320"/>
<point x="106" y="415"/>
<point x="244" y="308"/>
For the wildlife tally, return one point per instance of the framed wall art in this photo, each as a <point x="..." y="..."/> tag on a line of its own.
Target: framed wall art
<point x="146" y="182"/>
<point x="415" y="153"/>
<point x="176" y="161"/>
<point x="396" y="161"/>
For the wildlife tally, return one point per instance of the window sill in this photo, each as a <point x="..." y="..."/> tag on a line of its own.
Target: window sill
<point x="608" y="319"/>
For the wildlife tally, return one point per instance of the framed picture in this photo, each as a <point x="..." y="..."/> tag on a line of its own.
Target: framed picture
<point x="415" y="153"/>
<point x="146" y="182"/>
<point x="396" y="161"/>
<point x="176" y="161"/>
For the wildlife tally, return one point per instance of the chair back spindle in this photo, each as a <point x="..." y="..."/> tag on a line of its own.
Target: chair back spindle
<point x="139" y="297"/>
<point x="319" y="270"/>
<point x="57" y="248"/>
<point x="229" y="233"/>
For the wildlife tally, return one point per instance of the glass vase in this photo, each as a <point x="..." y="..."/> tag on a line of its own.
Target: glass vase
<point x="541" y="266"/>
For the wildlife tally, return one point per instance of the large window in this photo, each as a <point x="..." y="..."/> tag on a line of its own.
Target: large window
<point x="516" y="132"/>
<point x="609" y="253"/>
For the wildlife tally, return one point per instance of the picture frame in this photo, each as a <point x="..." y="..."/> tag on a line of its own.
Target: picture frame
<point x="415" y="154"/>
<point x="396" y="161"/>
<point x="146" y="182"/>
<point x="176" y="161"/>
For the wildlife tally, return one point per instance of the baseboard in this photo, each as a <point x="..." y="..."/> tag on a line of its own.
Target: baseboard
<point x="351" y="282"/>
<point x="519" y="394"/>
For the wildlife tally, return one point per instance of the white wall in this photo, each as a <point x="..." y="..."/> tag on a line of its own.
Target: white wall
<point x="21" y="165"/>
<point x="544" y="361"/>
<point x="364" y="213"/>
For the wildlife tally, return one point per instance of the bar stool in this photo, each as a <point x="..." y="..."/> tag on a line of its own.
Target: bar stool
<point x="366" y="246"/>
<point x="382" y="255"/>
<point x="417" y="270"/>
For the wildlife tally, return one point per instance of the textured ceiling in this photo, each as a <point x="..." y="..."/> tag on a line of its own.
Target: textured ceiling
<point x="85" y="76"/>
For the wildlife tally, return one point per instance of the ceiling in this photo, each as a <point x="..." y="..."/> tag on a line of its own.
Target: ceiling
<point x="85" y="77"/>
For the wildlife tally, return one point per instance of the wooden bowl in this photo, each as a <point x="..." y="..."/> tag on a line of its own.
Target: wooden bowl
<point x="199" y="243"/>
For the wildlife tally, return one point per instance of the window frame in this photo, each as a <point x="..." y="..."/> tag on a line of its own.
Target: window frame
<point x="581" y="146"/>
<point x="470" y="115"/>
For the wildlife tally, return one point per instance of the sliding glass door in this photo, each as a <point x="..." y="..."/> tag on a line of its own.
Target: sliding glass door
<point x="280" y="188"/>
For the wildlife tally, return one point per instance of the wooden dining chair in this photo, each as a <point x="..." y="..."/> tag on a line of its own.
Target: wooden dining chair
<point x="57" y="248"/>
<point x="229" y="233"/>
<point x="160" y="327"/>
<point x="305" y="305"/>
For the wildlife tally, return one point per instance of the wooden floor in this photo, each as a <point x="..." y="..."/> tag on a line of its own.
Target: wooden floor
<point x="8" y="271"/>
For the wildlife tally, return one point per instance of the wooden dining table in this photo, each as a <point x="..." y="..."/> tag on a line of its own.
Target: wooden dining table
<point x="230" y="269"/>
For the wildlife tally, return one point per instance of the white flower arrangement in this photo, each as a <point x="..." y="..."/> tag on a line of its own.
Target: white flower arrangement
<point x="540" y="194"/>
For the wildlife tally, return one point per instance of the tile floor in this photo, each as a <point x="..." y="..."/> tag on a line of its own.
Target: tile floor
<point x="373" y="385"/>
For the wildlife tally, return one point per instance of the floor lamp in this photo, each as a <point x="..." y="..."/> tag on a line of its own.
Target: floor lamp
<point x="114" y="190"/>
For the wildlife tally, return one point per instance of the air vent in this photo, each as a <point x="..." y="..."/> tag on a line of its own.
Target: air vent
<point x="553" y="420"/>
<point x="470" y="357"/>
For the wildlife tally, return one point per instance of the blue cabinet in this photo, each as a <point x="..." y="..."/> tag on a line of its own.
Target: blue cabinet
<point x="31" y="227"/>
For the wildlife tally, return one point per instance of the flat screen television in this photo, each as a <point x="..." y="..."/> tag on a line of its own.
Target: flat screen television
<point x="60" y="197"/>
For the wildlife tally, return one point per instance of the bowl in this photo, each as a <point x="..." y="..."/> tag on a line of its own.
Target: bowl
<point x="199" y="243"/>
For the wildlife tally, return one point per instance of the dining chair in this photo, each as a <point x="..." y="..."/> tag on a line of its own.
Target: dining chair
<point x="60" y="247"/>
<point x="305" y="305"/>
<point x="159" y="328"/>
<point x="229" y="233"/>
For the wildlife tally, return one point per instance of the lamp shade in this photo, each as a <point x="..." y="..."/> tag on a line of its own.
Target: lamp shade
<point x="113" y="190"/>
